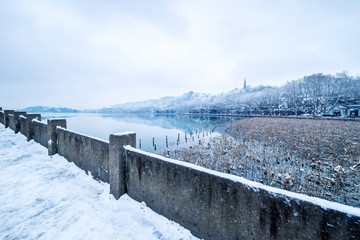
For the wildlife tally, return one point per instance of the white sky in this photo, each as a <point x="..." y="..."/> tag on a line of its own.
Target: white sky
<point x="91" y="54"/>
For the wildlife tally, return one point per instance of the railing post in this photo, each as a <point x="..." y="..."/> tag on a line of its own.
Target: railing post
<point x="29" y="130"/>
<point x="52" y="136"/>
<point x="2" y="117"/>
<point x="117" y="161"/>
<point x="6" y="117"/>
<point x="17" y="121"/>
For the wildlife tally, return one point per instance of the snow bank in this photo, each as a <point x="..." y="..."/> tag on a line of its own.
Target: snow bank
<point x="46" y="197"/>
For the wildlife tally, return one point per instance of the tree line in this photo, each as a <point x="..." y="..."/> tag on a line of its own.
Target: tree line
<point x="316" y="94"/>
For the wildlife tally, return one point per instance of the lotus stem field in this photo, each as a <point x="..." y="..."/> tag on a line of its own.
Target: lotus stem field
<point x="320" y="158"/>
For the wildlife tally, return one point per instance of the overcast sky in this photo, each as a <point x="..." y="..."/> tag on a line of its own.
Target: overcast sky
<point x="92" y="54"/>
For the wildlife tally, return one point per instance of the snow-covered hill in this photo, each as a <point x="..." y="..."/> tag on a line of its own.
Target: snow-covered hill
<point x="43" y="109"/>
<point x="190" y="101"/>
<point x="167" y="103"/>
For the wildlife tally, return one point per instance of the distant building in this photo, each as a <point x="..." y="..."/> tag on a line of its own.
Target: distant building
<point x="245" y="83"/>
<point x="351" y="111"/>
<point x="346" y="111"/>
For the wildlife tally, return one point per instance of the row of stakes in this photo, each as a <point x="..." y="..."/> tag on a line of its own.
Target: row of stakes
<point x="192" y="137"/>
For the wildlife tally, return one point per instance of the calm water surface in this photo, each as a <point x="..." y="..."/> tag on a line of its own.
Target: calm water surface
<point x="147" y="127"/>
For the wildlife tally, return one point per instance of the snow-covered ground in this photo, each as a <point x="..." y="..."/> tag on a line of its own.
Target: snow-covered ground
<point x="44" y="197"/>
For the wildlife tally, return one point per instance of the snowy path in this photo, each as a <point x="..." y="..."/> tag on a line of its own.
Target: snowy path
<point x="44" y="197"/>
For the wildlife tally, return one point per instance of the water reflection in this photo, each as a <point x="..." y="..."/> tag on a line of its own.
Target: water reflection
<point x="150" y="129"/>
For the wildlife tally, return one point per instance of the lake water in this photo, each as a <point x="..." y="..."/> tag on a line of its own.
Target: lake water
<point x="150" y="129"/>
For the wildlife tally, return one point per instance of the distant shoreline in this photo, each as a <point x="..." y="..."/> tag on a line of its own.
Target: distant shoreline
<point x="202" y="115"/>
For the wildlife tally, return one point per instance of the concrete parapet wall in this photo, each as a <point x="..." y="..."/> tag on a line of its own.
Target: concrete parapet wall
<point x="26" y="127"/>
<point x="117" y="164"/>
<point x="89" y="154"/>
<point x="23" y="125"/>
<point x="52" y="134"/>
<point x="220" y="206"/>
<point x="12" y="122"/>
<point x="40" y="131"/>
<point x="6" y="117"/>
<point x="2" y="117"/>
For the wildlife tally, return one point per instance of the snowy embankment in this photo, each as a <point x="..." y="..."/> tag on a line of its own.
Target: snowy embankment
<point x="46" y="197"/>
